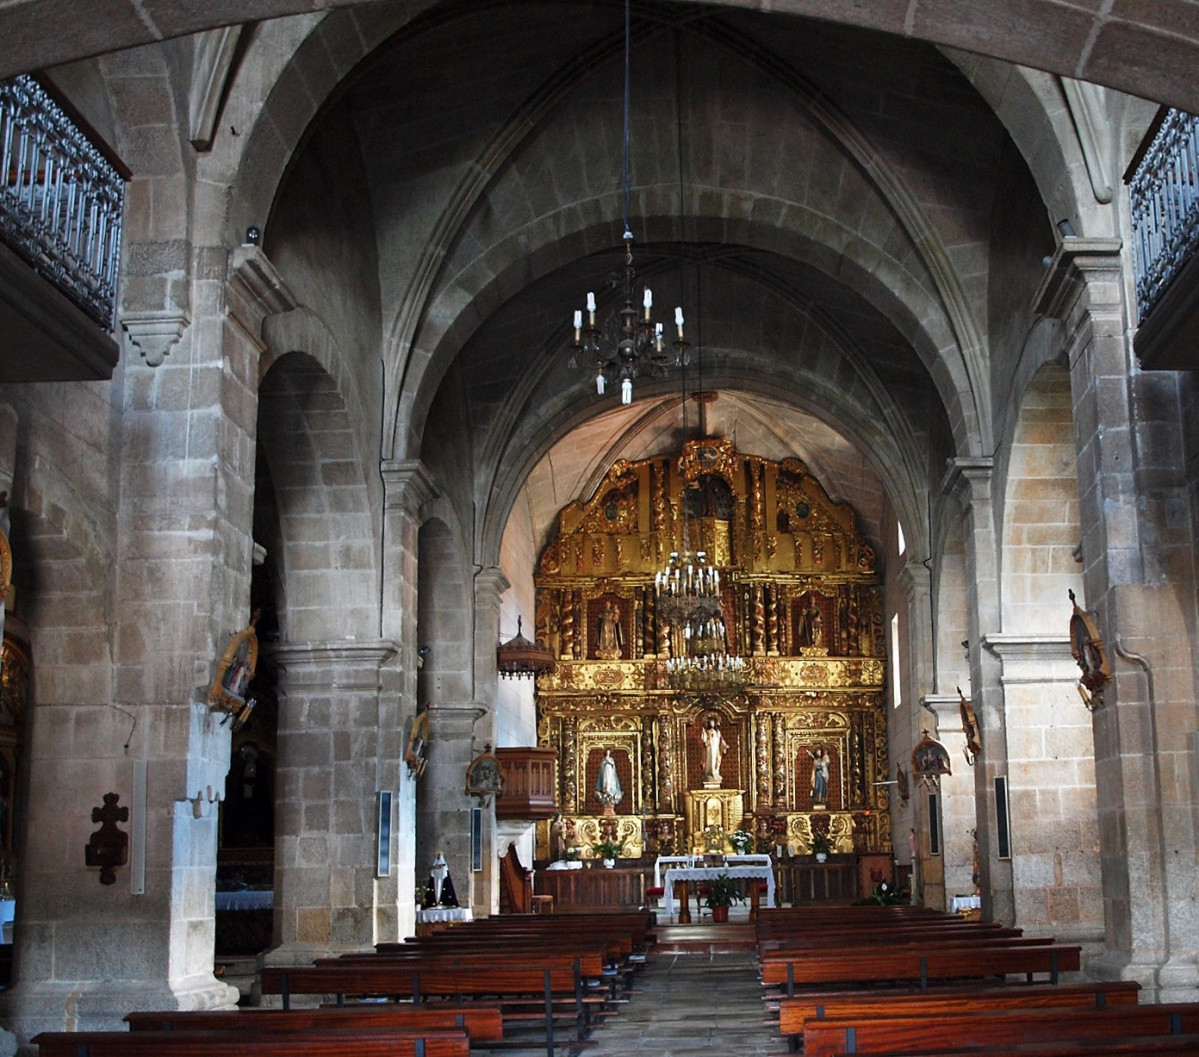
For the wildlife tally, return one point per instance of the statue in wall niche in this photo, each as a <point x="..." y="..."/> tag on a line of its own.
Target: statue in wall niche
<point x="811" y="625"/>
<point x="714" y="749"/>
<point x="607" y="784"/>
<point x="609" y="635"/>
<point x="820" y="769"/>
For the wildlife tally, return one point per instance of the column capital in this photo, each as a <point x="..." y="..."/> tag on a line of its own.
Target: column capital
<point x="256" y="290"/>
<point x="1033" y="658"/>
<point x="968" y="479"/>
<point x="948" y="710"/>
<point x="914" y="576"/>
<point x="347" y="664"/>
<point x="1074" y="263"/>
<point x="407" y="485"/>
<point x="490" y="583"/>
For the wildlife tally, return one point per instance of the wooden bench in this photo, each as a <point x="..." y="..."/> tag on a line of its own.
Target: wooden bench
<point x="551" y="989"/>
<point x="919" y="966"/>
<point x="379" y="1042"/>
<point x="483" y="1024"/>
<point x="1134" y="1046"/>
<point x="794" y="1013"/>
<point x="964" y="1030"/>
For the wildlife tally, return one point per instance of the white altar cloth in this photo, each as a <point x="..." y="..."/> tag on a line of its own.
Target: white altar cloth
<point x="692" y="860"/>
<point x="706" y="873"/>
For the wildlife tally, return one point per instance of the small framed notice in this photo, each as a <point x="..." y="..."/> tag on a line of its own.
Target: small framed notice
<point x="383" y="856"/>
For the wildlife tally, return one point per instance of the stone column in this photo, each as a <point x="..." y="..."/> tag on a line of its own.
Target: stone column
<point x="1140" y="585"/>
<point x="407" y="488"/>
<point x="328" y="895"/>
<point x="443" y="808"/>
<point x="490" y="584"/>
<point x="969" y="481"/>
<point x="1051" y="789"/>
<point x="176" y="559"/>
<point x="958" y="815"/>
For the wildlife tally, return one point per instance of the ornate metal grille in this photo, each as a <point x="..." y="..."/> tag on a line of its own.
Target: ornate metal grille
<point x="1164" y="199"/>
<point x="60" y="199"/>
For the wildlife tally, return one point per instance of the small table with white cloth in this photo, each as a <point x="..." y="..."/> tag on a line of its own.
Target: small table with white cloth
<point x="686" y="874"/>
<point x="694" y="860"/>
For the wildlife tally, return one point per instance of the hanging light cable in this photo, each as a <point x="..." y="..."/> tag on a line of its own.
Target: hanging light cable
<point x="629" y="343"/>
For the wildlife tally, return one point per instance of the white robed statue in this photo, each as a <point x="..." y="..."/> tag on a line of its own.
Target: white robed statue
<point x="607" y="784"/>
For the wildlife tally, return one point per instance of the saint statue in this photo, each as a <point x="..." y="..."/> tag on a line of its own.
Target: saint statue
<point x="811" y="627"/>
<point x="714" y="749"/>
<point x="820" y="767"/>
<point x="607" y="784"/>
<point x="609" y="636"/>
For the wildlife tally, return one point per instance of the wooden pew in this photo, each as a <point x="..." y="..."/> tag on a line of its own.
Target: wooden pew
<point x="884" y="933"/>
<point x="925" y="1034"/>
<point x="483" y="1024"/>
<point x="919" y="966"/>
<point x="795" y="1012"/>
<point x="511" y="983"/>
<point x="1133" y="1046"/>
<point x="336" y="1043"/>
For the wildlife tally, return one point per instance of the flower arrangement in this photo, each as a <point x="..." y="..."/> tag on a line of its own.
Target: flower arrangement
<point x="742" y="841"/>
<point x="608" y="849"/>
<point x="821" y="845"/>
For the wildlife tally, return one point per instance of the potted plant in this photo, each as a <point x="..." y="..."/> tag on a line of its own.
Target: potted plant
<point x="821" y="846"/>
<point x="608" y="850"/>
<point x="742" y="842"/>
<point x="722" y="890"/>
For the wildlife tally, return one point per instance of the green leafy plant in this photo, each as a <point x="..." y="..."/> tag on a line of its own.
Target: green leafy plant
<point x="821" y="845"/>
<point x="885" y="894"/>
<point x="722" y="891"/>
<point x="608" y="849"/>
<point x="742" y="841"/>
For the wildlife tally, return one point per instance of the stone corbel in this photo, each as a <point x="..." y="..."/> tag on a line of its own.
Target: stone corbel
<point x="154" y="334"/>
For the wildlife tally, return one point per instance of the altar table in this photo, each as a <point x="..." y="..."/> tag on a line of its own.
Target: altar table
<point x="691" y="860"/>
<point x="687" y="874"/>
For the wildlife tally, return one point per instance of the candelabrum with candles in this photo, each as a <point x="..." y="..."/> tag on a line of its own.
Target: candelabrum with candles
<point x="630" y="343"/>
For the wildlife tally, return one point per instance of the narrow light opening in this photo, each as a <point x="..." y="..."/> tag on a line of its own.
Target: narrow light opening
<point x="896" y="681"/>
<point x="903" y="543"/>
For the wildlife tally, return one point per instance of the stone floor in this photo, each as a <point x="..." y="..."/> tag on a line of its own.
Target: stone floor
<point x="698" y="994"/>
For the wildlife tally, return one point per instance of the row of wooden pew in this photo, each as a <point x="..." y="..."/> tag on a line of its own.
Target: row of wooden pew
<point x="910" y="982"/>
<point x="515" y="981"/>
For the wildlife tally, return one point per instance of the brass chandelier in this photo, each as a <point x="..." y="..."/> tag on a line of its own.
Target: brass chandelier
<point x="628" y="343"/>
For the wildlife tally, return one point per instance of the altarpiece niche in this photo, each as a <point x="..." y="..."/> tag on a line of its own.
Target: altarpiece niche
<point x="796" y="744"/>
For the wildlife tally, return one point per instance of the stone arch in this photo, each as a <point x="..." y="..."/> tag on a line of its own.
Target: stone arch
<point x="1041" y="523"/>
<point x="327" y="574"/>
<point x="494" y="271"/>
<point x="820" y="370"/>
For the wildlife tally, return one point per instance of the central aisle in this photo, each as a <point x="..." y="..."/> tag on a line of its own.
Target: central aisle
<point x="692" y="1004"/>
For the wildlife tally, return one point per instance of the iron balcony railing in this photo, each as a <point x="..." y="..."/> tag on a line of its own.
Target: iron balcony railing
<point x="60" y="199"/>
<point x="1163" y="194"/>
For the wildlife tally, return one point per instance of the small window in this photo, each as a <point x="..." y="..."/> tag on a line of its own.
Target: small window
<point x="903" y="543"/>
<point x="896" y="681"/>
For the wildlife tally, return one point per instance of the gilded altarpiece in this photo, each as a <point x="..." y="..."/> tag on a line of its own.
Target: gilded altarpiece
<point x="804" y="735"/>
